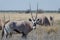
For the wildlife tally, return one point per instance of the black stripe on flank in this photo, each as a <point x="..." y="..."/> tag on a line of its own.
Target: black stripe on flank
<point x="16" y="31"/>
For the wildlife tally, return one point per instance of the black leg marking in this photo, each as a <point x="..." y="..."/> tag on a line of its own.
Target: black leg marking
<point x="24" y="35"/>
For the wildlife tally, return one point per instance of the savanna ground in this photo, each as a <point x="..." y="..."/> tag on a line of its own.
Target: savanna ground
<point x="41" y="32"/>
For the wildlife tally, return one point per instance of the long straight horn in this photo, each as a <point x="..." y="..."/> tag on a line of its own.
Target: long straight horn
<point x="4" y="21"/>
<point x="31" y="11"/>
<point x="3" y="26"/>
<point x="9" y="17"/>
<point x="36" y="12"/>
<point x="2" y="34"/>
<point x="7" y="21"/>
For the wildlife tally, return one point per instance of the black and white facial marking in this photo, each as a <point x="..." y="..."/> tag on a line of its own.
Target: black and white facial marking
<point x="34" y="22"/>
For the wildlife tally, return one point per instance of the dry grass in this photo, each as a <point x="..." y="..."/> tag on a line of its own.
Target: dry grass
<point x="26" y="16"/>
<point x="16" y="16"/>
<point x="40" y="29"/>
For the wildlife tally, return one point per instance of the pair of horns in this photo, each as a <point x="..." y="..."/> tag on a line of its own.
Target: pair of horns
<point x="36" y="12"/>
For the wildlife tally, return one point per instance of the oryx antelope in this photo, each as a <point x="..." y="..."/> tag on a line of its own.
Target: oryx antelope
<point x="43" y="20"/>
<point x="23" y="27"/>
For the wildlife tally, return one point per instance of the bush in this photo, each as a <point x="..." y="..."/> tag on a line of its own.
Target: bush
<point x="28" y="11"/>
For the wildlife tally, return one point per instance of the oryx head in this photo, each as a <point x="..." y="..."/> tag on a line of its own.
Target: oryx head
<point x="34" y="19"/>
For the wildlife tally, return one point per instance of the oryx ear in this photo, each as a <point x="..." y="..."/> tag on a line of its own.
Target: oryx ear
<point x="30" y="19"/>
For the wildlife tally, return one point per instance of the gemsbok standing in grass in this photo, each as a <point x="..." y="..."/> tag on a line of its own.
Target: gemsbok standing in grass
<point x="23" y="27"/>
<point x="43" y="20"/>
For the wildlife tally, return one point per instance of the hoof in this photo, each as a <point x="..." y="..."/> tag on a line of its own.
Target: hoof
<point x="24" y="36"/>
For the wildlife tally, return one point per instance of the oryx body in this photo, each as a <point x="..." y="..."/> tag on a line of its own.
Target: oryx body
<point x="23" y="27"/>
<point x="43" y="20"/>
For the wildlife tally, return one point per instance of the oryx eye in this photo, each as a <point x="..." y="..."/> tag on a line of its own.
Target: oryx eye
<point x="37" y="19"/>
<point x="30" y="19"/>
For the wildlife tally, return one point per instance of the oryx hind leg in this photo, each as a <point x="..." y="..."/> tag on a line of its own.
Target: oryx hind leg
<point x="3" y="37"/>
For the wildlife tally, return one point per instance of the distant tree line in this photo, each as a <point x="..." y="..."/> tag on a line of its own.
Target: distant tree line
<point x="44" y="11"/>
<point x="59" y="10"/>
<point x="39" y="11"/>
<point x="33" y="11"/>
